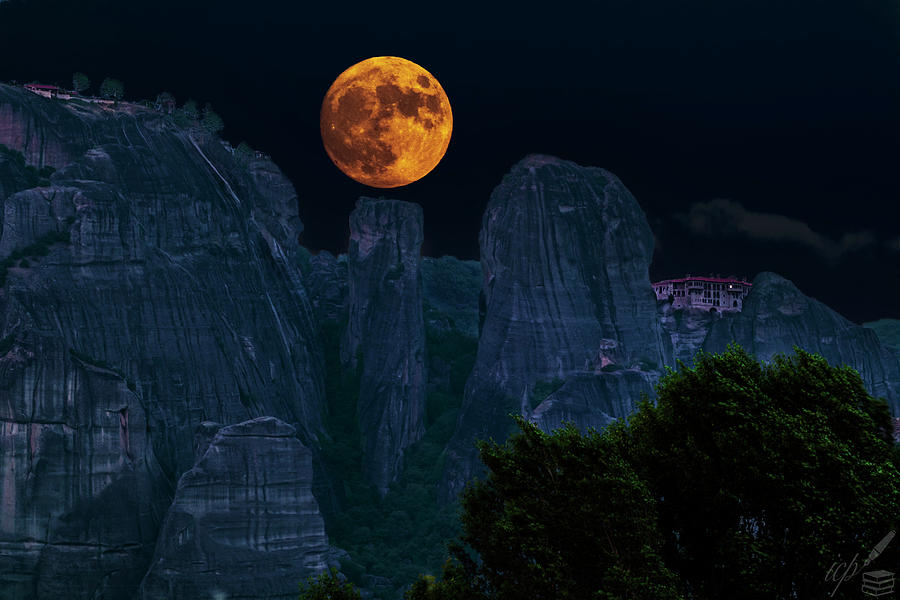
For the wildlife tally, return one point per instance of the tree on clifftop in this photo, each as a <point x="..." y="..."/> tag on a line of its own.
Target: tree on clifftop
<point x="211" y="121"/>
<point x="190" y="109"/>
<point x="765" y="476"/>
<point x="112" y="89"/>
<point x="80" y="82"/>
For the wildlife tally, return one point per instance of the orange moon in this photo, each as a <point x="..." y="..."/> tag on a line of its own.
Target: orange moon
<point x="386" y="122"/>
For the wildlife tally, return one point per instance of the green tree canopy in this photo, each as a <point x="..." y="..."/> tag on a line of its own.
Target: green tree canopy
<point x="243" y="153"/>
<point x="328" y="586"/>
<point x="765" y="475"/>
<point x="80" y="82"/>
<point x="190" y="109"/>
<point x="559" y="516"/>
<point x="112" y="89"/>
<point x="211" y="121"/>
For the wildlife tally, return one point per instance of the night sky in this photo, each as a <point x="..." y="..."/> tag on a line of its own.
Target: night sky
<point x="756" y="135"/>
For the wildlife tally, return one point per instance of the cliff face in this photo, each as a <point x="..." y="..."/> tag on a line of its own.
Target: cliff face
<point x="385" y="335"/>
<point x="80" y="483"/>
<point x="154" y="257"/>
<point x="778" y="316"/>
<point x="326" y="282"/>
<point x="565" y="252"/>
<point x="244" y="521"/>
<point x="47" y="134"/>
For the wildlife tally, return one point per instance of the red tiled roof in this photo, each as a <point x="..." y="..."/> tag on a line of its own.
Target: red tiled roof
<point x="41" y="86"/>
<point x="711" y="279"/>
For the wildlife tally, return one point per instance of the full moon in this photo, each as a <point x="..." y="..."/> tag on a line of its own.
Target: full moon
<point x="386" y="122"/>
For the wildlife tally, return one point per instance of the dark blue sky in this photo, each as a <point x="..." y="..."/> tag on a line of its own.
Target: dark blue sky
<point x="757" y="135"/>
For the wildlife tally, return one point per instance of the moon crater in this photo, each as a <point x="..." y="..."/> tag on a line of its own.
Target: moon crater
<point x="386" y="122"/>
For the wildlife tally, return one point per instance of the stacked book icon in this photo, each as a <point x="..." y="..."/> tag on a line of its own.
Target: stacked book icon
<point x="878" y="583"/>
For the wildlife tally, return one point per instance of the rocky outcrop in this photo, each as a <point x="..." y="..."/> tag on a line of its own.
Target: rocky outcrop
<point x="385" y="335"/>
<point x="590" y="400"/>
<point x="244" y="522"/>
<point x="326" y="282"/>
<point x="565" y="252"/>
<point x="80" y="485"/>
<point x="777" y="316"/>
<point x="687" y="328"/>
<point x="14" y="176"/>
<point x="156" y="256"/>
<point x="46" y="132"/>
<point x="450" y="292"/>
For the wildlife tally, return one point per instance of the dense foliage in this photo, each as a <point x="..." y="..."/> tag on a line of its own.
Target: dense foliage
<point x="328" y="586"/>
<point x="112" y="89"/>
<point x="765" y="475"/>
<point x="742" y="481"/>
<point x="80" y="82"/>
<point x="391" y="540"/>
<point x="211" y="122"/>
<point x="560" y="516"/>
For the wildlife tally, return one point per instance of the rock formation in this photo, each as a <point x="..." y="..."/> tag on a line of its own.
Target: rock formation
<point x="45" y="132"/>
<point x="80" y="484"/>
<point x="565" y="252"/>
<point x="156" y="257"/>
<point x="326" y="282"/>
<point x="777" y="316"/>
<point x="385" y="335"/>
<point x="244" y="522"/>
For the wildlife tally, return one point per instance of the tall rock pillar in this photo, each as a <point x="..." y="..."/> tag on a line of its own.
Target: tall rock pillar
<point x="385" y="335"/>
<point x="569" y="309"/>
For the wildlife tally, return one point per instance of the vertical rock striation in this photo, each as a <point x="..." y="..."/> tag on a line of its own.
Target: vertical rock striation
<point x="565" y="252"/>
<point x="244" y="522"/>
<point x="385" y="335"/>
<point x="158" y="258"/>
<point x="80" y="485"/>
<point x="326" y="283"/>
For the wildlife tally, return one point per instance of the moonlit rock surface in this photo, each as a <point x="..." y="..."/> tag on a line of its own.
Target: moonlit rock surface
<point x="326" y="283"/>
<point x="181" y="280"/>
<point x="79" y="484"/>
<point x="244" y="521"/>
<point x="777" y="316"/>
<point x="565" y="252"/>
<point x="386" y="331"/>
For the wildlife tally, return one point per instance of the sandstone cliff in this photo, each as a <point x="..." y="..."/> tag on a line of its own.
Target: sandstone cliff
<point x="385" y="335"/>
<point x="151" y="286"/>
<point x="565" y="252"/>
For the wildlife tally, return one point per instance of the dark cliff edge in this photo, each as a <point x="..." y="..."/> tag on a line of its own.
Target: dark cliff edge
<point x="150" y="283"/>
